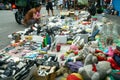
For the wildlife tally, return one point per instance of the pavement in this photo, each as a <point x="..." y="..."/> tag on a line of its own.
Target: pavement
<point x="114" y="18"/>
<point x="7" y="26"/>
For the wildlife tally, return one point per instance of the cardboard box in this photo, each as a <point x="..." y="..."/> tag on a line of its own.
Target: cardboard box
<point x="47" y="77"/>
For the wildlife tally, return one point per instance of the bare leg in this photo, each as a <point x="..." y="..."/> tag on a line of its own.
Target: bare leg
<point x="60" y="7"/>
<point x="52" y="12"/>
<point x="48" y="12"/>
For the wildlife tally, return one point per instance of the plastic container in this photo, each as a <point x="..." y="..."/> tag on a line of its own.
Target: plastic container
<point x="58" y="47"/>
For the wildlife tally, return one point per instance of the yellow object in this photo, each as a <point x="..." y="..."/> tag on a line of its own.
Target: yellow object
<point x="75" y="74"/>
<point x="69" y="42"/>
<point x="28" y="37"/>
<point x="66" y="13"/>
<point x="97" y="36"/>
<point x="65" y="27"/>
<point x="63" y="78"/>
<point x="66" y="54"/>
<point x="78" y="75"/>
<point x="42" y="52"/>
<point x="89" y="30"/>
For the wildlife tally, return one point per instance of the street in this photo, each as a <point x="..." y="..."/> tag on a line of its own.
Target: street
<point x="8" y="25"/>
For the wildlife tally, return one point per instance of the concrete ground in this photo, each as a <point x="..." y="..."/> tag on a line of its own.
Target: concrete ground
<point x="116" y="20"/>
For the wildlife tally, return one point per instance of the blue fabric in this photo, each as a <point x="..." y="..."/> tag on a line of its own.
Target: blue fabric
<point x="106" y="51"/>
<point x="49" y="40"/>
<point x="116" y="5"/>
<point x="117" y="59"/>
<point x="95" y="33"/>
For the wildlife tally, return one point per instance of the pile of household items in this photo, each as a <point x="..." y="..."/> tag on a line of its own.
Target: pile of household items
<point x="68" y="45"/>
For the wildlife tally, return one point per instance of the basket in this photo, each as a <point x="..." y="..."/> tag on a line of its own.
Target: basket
<point x="21" y="3"/>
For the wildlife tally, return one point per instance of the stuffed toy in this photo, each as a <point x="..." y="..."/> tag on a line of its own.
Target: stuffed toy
<point x="74" y="76"/>
<point x="81" y="54"/>
<point x="93" y="44"/>
<point x="66" y="54"/>
<point x="91" y="47"/>
<point x="90" y="59"/>
<point x="95" y="72"/>
<point x="76" y="53"/>
<point x="73" y="47"/>
<point x="101" y="56"/>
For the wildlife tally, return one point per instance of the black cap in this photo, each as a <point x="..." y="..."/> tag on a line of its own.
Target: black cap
<point x="37" y="5"/>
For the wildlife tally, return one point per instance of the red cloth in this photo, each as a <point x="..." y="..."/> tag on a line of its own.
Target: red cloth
<point x="100" y="58"/>
<point x="94" y="68"/>
<point x="72" y="77"/>
<point x="114" y="65"/>
<point x="98" y="51"/>
<point x="108" y="1"/>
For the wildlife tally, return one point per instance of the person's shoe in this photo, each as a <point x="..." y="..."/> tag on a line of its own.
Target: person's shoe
<point x="48" y="15"/>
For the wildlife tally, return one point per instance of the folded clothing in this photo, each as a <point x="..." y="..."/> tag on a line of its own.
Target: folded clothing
<point x="74" y="66"/>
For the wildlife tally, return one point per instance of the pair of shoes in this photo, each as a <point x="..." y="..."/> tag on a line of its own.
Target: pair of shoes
<point x="48" y="15"/>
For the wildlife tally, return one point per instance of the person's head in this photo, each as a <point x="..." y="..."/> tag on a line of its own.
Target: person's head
<point x="38" y="7"/>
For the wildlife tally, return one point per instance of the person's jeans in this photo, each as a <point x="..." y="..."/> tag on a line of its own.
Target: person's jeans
<point x="67" y="5"/>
